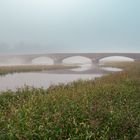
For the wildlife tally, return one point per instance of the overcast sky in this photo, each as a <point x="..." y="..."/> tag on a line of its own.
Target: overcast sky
<point x="50" y="26"/>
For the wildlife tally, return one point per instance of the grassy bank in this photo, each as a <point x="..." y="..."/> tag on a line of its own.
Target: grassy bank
<point x="107" y="108"/>
<point x="31" y="68"/>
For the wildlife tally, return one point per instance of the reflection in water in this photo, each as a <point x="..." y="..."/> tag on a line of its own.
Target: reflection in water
<point x="17" y="80"/>
<point x="83" y="67"/>
<point x="84" y="63"/>
<point x="87" y="70"/>
<point x="112" y="69"/>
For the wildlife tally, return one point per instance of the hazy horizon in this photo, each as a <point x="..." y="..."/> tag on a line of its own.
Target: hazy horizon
<point x="72" y="26"/>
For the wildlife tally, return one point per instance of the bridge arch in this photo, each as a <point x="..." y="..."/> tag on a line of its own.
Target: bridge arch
<point x="116" y="59"/>
<point x="76" y="60"/>
<point x="58" y="57"/>
<point x="43" y="60"/>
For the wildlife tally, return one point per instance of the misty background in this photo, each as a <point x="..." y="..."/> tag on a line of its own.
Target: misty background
<point x="51" y="26"/>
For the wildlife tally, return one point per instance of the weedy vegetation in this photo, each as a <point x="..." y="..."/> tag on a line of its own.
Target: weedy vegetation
<point x="106" y="108"/>
<point x="32" y="68"/>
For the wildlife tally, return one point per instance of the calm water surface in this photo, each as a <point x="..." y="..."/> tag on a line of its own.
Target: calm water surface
<point x="45" y="79"/>
<point x="14" y="81"/>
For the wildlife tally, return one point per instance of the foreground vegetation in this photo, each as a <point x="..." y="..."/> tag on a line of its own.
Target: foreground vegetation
<point x="31" y="68"/>
<point x="107" y="108"/>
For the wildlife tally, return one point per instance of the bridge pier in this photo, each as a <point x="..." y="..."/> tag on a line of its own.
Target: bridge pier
<point x="57" y="61"/>
<point x="95" y="61"/>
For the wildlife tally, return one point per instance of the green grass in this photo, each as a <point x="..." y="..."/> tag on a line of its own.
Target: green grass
<point x="107" y="108"/>
<point x="32" y="68"/>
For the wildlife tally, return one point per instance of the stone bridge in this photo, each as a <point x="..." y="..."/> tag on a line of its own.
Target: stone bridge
<point x="59" y="57"/>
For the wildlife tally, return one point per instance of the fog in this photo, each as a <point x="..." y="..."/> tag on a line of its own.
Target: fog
<point x="38" y="26"/>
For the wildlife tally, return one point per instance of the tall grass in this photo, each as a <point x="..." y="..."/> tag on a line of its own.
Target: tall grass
<point x="32" y="68"/>
<point x="107" y="108"/>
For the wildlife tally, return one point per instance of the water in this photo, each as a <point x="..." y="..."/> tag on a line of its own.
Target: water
<point x="112" y="69"/>
<point x="83" y="67"/>
<point x="45" y="79"/>
<point x="38" y="79"/>
<point x="86" y="71"/>
<point x="84" y="63"/>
